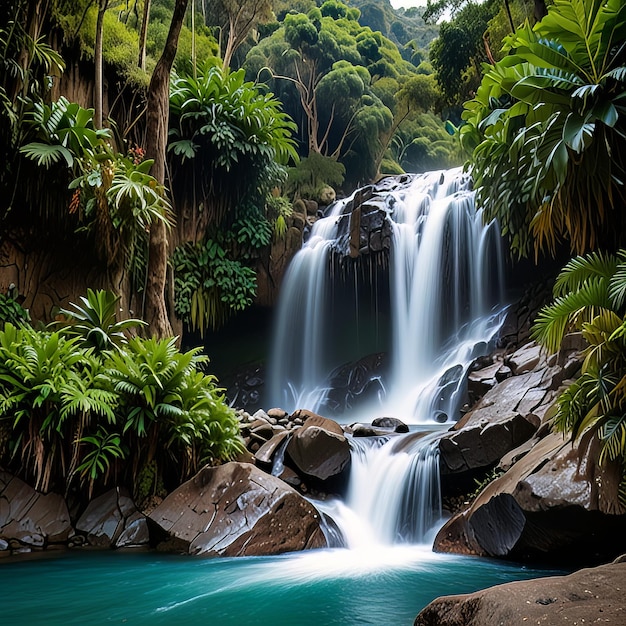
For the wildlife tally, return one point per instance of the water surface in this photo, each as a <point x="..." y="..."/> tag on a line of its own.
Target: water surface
<point x="319" y="588"/>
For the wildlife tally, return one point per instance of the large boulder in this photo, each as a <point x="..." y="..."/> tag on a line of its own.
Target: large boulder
<point x="589" y="596"/>
<point x="556" y="502"/>
<point x="320" y="448"/>
<point x="236" y="510"/>
<point x="112" y="521"/>
<point x="30" y="518"/>
<point x="511" y="410"/>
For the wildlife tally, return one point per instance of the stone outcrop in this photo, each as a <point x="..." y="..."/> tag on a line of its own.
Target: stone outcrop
<point x="589" y="596"/>
<point x="520" y="389"/>
<point x="259" y="428"/>
<point x="363" y="227"/>
<point x="556" y="502"/>
<point x="112" y="521"/>
<point x="236" y="510"/>
<point x="553" y="500"/>
<point x="319" y="449"/>
<point x="30" y="520"/>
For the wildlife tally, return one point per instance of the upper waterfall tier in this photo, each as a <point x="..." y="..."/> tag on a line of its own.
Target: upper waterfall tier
<point x="395" y="292"/>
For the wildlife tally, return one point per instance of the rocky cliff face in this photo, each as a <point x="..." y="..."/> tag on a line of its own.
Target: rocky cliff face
<point x="552" y="500"/>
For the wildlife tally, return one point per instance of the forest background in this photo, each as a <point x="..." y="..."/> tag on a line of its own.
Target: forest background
<point x="270" y="103"/>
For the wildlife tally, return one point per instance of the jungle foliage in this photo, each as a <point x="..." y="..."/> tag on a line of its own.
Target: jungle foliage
<point x="590" y="297"/>
<point x="548" y="130"/>
<point x="222" y="126"/>
<point x="346" y="85"/>
<point x="85" y="405"/>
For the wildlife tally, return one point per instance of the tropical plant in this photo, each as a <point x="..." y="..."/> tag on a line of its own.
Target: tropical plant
<point x="36" y="369"/>
<point x="548" y="129"/>
<point x="170" y="412"/>
<point x="11" y="310"/>
<point x="590" y="296"/>
<point x="119" y="200"/>
<point x="115" y="196"/>
<point x="65" y="130"/>
<point x="313" y="172"/>
<point x="209" y="287"/>
<point x="94" y="321"/>
<point x="237" y="138"/>
<point x="279" y="210"/>
<point x="76" y="417"/>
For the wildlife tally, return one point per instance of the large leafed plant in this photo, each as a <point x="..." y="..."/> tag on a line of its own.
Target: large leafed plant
<point x="85" y="406"/>
<point x="548" y="129"/>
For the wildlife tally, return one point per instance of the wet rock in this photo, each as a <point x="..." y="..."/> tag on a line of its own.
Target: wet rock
<point x="363" y="430"/>
<point x="260" y="415"/>
<point x="265" y="454"/>
<point x="588" y="596"/>
<point x="236" y="510"/>
<point x="556" y="502"/>
<point x="30" y="517"/>
<point x="503" y="372"/>
<point x="440" y="417"/>
<point x="311" y="207"/>
<point x="277" y="413"/>
<point x="356" y="383"/>
<point x="527" y="358"/>
<point x="112" y="521"/>
<point x="390" y="423"/>
<point x="261" y="430"/>
<point x="501" y="422"/>
<point x="319" y="448"/>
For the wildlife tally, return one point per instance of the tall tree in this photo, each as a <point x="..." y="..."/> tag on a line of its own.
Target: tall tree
<point x="143" y="34"/>
<point x="236" y="19"/>
<point x="157" y="116"/>
<point x="103" y="5"/>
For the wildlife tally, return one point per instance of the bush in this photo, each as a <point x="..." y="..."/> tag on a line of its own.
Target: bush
<point x="73" y="417"/>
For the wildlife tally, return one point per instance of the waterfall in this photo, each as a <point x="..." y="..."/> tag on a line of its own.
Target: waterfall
<point x="297" y="367"/>
<point x="393" y="496"/>
<point x="445" y="276"/>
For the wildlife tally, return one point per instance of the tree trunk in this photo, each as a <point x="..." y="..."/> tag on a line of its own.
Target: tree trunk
<point x="508" y="13"/>
<point x="541" y="10"/>
<point x="157" y="115"/>
<point x="97" y="99"/>
<point x="143" y="34"/>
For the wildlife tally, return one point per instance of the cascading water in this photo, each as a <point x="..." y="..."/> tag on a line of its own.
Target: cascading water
<point x="445" y="277"/>
<point x="393" y="496"/>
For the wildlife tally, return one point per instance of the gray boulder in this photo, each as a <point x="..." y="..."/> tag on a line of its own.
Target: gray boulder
<point x="390" y="423"/>
<point x="555" y="501"/>
<point x="236" y="510"/>
<point x="508" y="415"/>
<point x="112" y="521"/>
<point x="33" y="519"/>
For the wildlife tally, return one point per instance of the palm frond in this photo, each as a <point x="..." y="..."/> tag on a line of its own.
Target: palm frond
<point x="570" y="311"/>
<point x="581" y="268"/>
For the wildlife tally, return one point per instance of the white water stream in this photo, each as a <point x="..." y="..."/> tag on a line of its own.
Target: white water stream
<point x="445" y="276"/>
